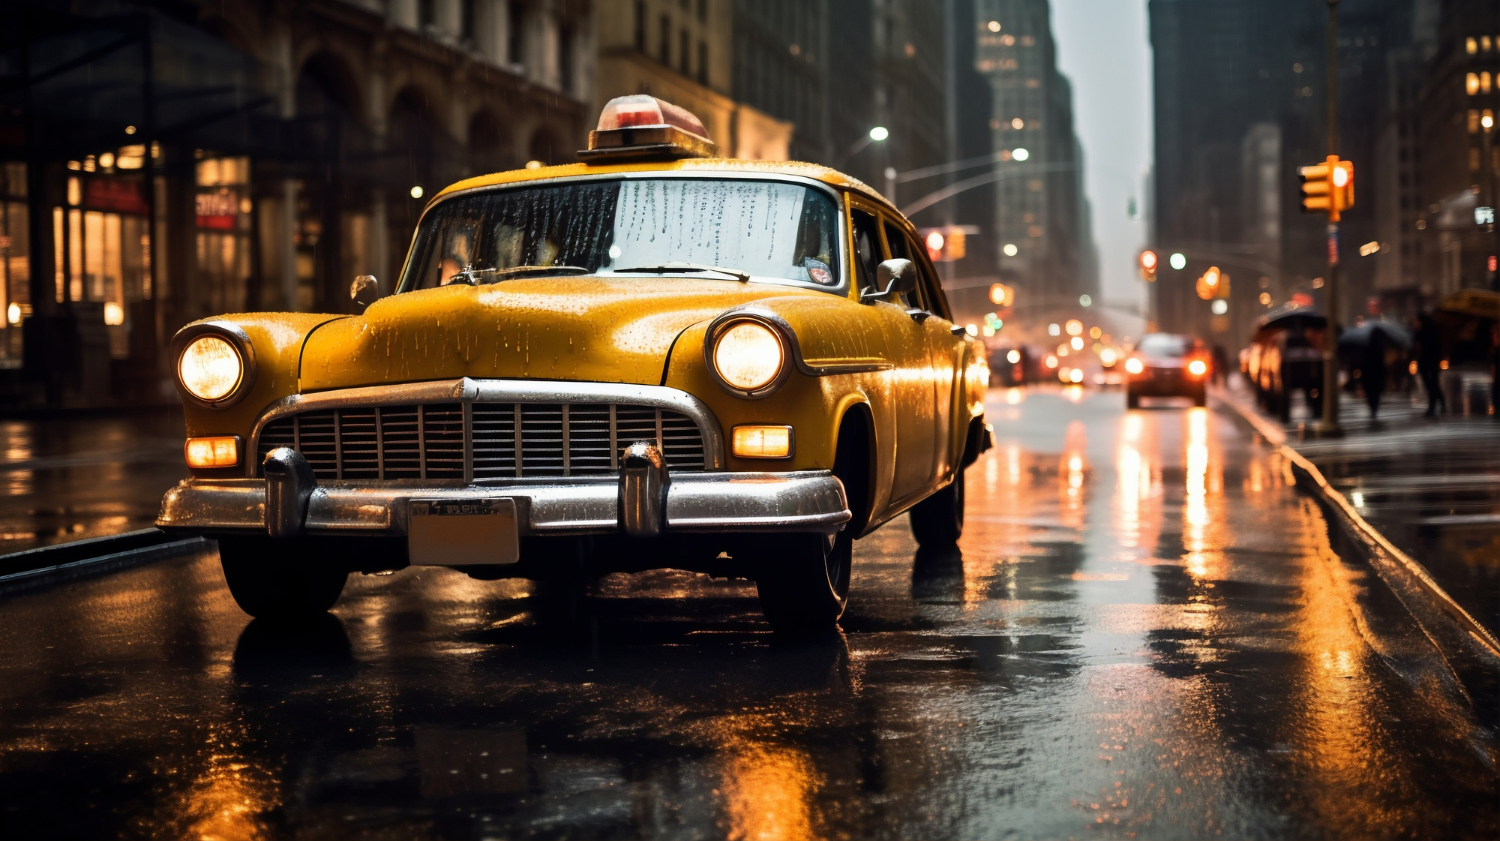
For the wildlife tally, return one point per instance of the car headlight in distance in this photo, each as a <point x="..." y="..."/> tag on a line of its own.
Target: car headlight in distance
<point x="1134" y="366"/>
<point x="1197" y="367"/>
<point x="748" y="356"/>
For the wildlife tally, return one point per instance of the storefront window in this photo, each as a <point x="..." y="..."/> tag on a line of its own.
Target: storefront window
<point x="103" y="244"/>
<point x="223" y="234"/>
<point x="15" y="262"/>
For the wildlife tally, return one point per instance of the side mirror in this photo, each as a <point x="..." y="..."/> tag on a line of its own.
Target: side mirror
<point x="896" y="277"/>
<point x="364" y="291"/>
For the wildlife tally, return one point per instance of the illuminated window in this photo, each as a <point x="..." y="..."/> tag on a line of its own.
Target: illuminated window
<point x="1484" y="43"/>
<point x="1471" y="83"/>
<point x="222" y="239"/>
<point x="1471" y="45"/>
<point x="1484" y="82"/>
<point x="1473" y="121"/>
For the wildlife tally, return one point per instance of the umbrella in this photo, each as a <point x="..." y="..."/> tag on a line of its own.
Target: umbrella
<point x="1358" y="337"/>
<point x="1288" y="315"/>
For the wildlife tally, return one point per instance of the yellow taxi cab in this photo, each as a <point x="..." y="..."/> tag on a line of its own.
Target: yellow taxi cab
<point x="654" y="358"/>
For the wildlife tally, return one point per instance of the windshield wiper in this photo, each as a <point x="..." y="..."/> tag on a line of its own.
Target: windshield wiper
<point x="472" y="276"/>
<point x="688" y="268"/>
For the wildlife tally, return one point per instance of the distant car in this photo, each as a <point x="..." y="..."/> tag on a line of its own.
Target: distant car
<point x="1016" y="365"/>
<point x="1167" y="365"/>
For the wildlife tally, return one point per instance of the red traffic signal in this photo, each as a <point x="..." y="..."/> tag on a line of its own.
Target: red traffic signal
<point x="1148" y="265"/>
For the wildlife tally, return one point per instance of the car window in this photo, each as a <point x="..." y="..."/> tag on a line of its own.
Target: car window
<point x="1163" y="346"/>
<point x="866" y="247"/>
<point x="901" y="247"/>
<point x="774" y="231"/>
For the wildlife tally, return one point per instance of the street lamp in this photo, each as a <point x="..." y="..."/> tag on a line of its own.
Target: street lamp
<point x="1178" y="261"/>
<point x="1019" y="153"/>
<point x="879" y="133"/>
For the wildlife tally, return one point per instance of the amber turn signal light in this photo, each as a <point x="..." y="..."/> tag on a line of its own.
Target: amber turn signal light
<point x="763" y="441"/>
<point x="223" y="451"/>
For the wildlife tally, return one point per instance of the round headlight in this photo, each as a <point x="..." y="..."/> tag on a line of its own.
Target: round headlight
<point x="748" y="356"/>
<point x="210" y="368"/>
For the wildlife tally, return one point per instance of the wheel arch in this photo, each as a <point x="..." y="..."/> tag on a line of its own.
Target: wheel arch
<point x="854" y="463"/>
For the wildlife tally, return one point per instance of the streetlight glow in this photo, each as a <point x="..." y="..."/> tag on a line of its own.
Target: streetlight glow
<point x="879" y="133"/>
<point x="1010" y="249"/>
<point x="1020" y="153"/>
<point x="1178" y="261"/>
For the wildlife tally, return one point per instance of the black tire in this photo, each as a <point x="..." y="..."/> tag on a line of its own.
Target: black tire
<point x="1132" y="400"/>
<point x="937" y="522"/>
<point x="280" y="581"/>
<point x="804" y="584"/>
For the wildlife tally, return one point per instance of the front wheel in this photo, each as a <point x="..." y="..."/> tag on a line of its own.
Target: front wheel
<point x="803" y="582"/>
<point x="280" y="581"/>
<point x="938" y="520"/>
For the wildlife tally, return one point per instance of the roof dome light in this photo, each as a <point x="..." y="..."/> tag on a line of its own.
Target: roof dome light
<point x="641" y="126"/>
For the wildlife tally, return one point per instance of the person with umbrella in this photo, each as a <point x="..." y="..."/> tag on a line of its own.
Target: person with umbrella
<point x="1365" y="346"/>
<point x="1429" y="362"/>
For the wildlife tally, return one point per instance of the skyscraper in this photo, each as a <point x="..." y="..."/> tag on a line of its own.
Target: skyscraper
<point x="1045" y="242"/>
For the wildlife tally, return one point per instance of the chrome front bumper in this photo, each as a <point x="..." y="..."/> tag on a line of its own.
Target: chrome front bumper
<point x="810" y="500"/>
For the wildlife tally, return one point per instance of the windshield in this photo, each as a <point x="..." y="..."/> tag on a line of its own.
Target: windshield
<point x="772" y="231"/>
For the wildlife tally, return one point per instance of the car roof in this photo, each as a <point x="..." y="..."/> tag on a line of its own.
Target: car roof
<point x="817" y="172"/>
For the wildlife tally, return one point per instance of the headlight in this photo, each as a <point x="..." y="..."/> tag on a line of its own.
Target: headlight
<point x="748" y="356"/>
<point x="215" y="363"/>
<point x="210" y="368"/>
<point x="1134" y="366"/>
<point x="1197" y="367"/>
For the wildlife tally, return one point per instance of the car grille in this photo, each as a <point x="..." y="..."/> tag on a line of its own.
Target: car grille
<point x="505" y="440"/>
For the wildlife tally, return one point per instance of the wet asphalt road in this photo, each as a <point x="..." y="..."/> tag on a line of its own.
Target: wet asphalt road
<point x="1145" y="635"/>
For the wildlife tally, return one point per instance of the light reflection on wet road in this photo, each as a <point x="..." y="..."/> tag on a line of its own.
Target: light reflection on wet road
<point x="1146" y="636"/>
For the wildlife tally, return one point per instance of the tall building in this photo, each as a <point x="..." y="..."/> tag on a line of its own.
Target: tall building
<point x="245" y="156"/>
<point x="1045" y="242"/>
<point x="1241" y="99"/>
<point x="1459" y="159"/>
<point x="681" y="52"/>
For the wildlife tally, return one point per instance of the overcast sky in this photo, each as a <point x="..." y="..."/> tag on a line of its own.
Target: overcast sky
<point x="1103" y="48"/>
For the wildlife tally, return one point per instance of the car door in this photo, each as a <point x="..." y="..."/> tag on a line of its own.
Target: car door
<point x="945" y="349"/>
<point x="907" y="348"/>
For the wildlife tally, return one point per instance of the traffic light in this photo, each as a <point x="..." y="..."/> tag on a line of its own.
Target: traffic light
<point x="1213" y="284"/>
<point x="1148" y="265"/>
<point x="1328" y="187"/>
<point x="948" y="243"/>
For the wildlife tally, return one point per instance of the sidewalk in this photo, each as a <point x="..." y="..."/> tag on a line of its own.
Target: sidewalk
<point x="1431" y="487"/>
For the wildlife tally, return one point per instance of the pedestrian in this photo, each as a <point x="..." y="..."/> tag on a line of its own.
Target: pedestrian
<point x="1372" y="371"/>
<point x="1221" y="364"/>
<point x="1429" y="353"/>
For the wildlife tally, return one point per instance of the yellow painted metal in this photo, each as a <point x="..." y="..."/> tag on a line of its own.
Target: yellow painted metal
<point x="922" y="385"/>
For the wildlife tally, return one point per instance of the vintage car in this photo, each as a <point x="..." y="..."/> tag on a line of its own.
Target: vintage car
<point x="655" y="358"/>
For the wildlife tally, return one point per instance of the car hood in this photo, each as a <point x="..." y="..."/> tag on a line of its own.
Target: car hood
<point x="617" y="330"/>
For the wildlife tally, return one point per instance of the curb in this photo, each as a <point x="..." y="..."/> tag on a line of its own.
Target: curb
<point x="65" y="561"/>
<point x="1470" y="649"/>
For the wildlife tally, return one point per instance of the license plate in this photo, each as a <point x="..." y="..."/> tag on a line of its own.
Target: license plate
<point x="463" y="533"/>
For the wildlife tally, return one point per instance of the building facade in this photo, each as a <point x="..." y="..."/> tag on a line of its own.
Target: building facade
<point x="247" y="156"/>
<point x="1045" y="244"/>
<point x="681" y="51"/>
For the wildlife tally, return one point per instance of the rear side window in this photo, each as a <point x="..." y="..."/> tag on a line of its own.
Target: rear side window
<point x="866" y="247"/>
